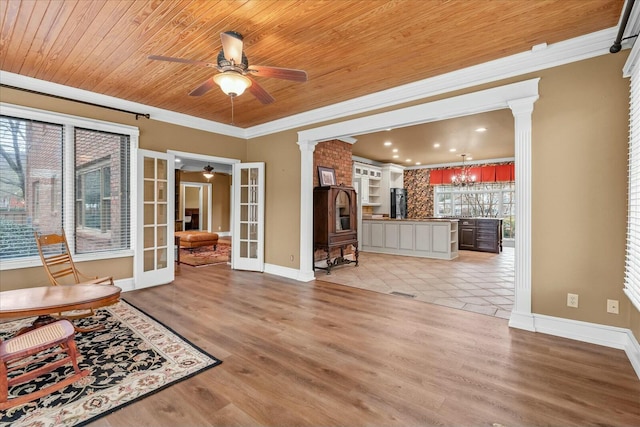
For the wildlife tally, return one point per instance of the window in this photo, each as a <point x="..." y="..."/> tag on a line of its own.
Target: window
<point x="30" y="184"/>
<point x="632" y="261"/>
<point x="101" y="177"/>
<point x="482" y="200"/>
<point x="59" y="171"/>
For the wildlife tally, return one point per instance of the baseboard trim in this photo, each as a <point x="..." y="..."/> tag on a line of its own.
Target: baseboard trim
<point x="594" y="333"/>
<point x="521" y="321"/>
<point x="125" y="284"/>
<point x="278" y="270"/>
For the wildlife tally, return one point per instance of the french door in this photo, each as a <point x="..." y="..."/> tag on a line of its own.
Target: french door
<point x="154" y="253"/>
<point x="247" y="246"/>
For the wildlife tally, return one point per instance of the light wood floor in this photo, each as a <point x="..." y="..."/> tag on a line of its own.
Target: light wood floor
<point x="322" y="354"/>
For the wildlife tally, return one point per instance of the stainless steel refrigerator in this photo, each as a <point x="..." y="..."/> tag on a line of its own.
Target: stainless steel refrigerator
<point x="398" y="203"/>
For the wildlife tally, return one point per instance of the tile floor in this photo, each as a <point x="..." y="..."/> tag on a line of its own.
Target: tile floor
<point x="475" y="281"/>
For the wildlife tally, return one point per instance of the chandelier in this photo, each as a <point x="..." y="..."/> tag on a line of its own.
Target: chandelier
<point x="464" y="178"/>
<point x="208" y="172"/>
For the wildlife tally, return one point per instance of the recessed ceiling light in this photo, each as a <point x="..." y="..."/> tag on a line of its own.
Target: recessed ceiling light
<point x="395" y="156"/>
<point x="452" y="150"/>
<point x="388" y="129"/>
<point x="177" y="160"/>
<point x="469" y="158"/>
<point x="418" y="163"/>
<point x="481" y="130"/>
<point x="408" y="160"/>
<point x="436" y="145"/>
<point x="388" y="143"/>
<point x="395" y="150"/>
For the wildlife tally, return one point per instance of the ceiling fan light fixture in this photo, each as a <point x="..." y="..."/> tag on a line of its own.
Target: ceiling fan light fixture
<point x="232" y="83"/>
<point x="208" y="172"/>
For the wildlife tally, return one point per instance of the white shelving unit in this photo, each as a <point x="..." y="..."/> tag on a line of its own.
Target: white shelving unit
<point x="371" y="183"/>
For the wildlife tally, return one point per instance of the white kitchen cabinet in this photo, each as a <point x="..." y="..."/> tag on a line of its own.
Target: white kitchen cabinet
<point x="364" y="188"/>
<point x="427" y="238"/>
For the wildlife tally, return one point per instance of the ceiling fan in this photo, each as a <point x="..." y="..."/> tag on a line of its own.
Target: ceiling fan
<point x="235" y="74"/>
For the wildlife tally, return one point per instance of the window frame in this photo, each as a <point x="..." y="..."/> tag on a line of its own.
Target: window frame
<point x="631" y="284"/>
<point x="69" y="175"/>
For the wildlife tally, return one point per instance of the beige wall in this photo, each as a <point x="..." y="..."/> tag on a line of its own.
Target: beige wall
<point x="119" y="268"/>
<point x="191" y="197"/>
<point x="580" y="144"/>
<point x="221" y="204"/>
<point x="282" y="205"/>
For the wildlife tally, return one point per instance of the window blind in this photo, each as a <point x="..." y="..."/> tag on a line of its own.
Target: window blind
<point x="30" y="184"/>
<point x="632" y="261"/>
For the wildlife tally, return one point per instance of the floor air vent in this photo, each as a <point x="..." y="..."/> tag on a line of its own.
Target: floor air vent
<point x="402" y="294"/>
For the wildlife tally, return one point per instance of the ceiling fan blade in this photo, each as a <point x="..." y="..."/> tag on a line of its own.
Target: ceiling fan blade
<point x="203" y="88"/>
<point x="232" y="46"/>
<point x="259" y="92"/>
<point x="182" y="61"/>
<point x="279" y="73"/>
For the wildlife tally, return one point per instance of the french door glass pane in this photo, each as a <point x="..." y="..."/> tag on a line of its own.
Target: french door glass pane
<point x="249" y="213"/>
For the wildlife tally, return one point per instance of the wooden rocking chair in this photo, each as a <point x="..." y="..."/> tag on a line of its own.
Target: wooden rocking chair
<point x="22" y="350"/>
<point x="60" y="266"/>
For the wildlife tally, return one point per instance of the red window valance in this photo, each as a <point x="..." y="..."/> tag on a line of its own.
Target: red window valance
<point x="435" y="177"/>
<point x="499" y="173"/>
<point x="503" y="173"/>
<point x="488" y="174"/>
<point x="447" y="175"/>
<point x="476" y="173"/>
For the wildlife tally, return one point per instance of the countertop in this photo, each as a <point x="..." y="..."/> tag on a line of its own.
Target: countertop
<point x="413" y="219"/>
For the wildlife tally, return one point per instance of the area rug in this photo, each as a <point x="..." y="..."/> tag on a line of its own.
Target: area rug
<point x="133" y="357"/>
<point x="200" y="257"/>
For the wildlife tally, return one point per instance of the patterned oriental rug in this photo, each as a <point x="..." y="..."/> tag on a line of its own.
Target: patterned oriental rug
<point x="133" y="357"/>
<point x="200" y="257"/>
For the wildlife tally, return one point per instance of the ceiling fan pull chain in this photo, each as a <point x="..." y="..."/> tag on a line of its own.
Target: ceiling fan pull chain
<point x="232" y="124"/>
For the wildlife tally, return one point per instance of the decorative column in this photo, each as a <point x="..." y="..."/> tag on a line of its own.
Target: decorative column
<point x="521" y="316"/>
<point x="305" y="273"/>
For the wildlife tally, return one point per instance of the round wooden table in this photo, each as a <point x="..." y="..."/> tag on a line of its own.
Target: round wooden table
<point x="45" y="300"/>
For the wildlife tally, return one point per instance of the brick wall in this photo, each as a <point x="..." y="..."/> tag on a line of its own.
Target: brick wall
<point x="337" y="155"/>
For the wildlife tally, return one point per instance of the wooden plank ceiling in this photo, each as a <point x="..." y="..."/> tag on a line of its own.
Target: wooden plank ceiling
<point x="348" y="48"/>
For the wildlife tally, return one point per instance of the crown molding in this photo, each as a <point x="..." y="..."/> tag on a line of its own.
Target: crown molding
<point x="160" y="114"/>
<point x="540" y="57"/>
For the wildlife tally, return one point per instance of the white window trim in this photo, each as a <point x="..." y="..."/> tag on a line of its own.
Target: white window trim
<point x="632" y="270"/>
<point x="70" y="121"/>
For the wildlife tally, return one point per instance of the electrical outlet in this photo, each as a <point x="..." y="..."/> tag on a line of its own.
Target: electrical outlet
<point x="572" y="300"/>
<point x="612" y="306"/>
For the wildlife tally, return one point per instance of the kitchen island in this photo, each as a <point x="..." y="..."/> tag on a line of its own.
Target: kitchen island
<point x="426" y="238"/>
